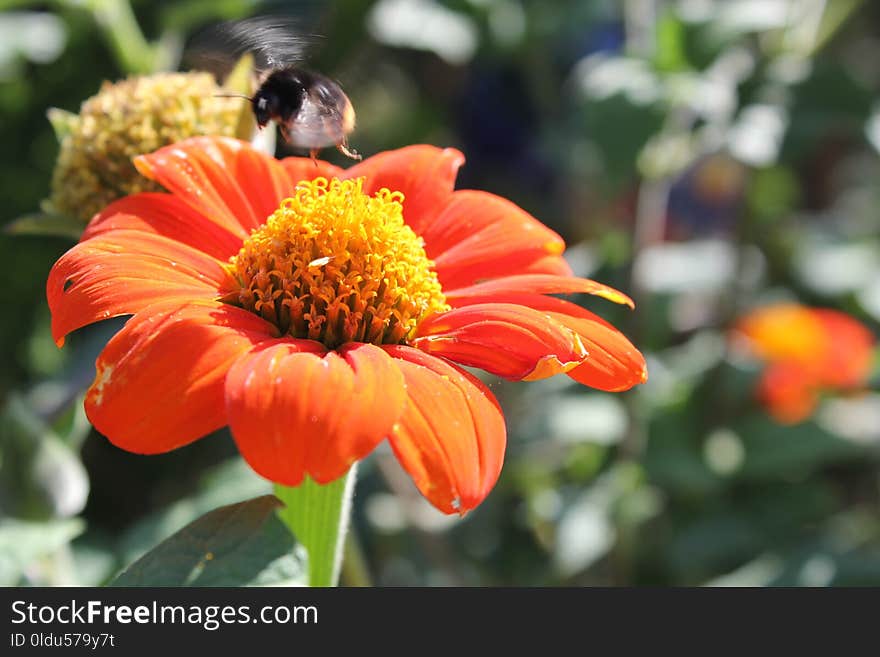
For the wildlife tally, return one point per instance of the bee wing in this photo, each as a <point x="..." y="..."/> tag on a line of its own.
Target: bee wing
<point x="275" y="41"/>
<point x="321" y="120"/>
<point x="279" y="41"/>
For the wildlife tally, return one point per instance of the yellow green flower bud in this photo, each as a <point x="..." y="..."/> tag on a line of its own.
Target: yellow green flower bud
<point x="129" y="118"/>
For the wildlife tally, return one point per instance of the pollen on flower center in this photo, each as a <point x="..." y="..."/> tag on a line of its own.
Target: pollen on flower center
<point x="335" y="265"/>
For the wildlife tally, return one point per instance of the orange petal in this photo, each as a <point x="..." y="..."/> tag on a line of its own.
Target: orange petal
<point x="613" y="363"/>
<point x="479" y="236"/>
<point x="212" y="176"/>
<point x="451" y="436"/>
<point x="424" y="174"/>
<point x="264" y="180"/>
<point x="165" y="214"/>
<point x="848" y="356"/>
<point x="789" y="392"/>
<point x="535" y="284"/>
<point x="122" y="273"/>
<point x="521" y="264"/>
<point x="305" y="168"/>
<point x="294" y="412"/>
<point x="159" y="381"/>
<point x="550" y="264"/>
<point x="785" y="332"/>
<point x="510" y="340"/>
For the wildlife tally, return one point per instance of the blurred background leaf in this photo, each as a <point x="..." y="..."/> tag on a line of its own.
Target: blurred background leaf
<point x="243" y="544"/>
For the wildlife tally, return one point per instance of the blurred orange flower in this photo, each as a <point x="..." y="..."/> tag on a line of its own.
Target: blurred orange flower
<point x="807" y="351"/>
<point x="317" y="311"/>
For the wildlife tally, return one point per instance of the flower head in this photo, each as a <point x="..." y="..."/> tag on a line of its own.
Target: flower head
<point x="125" y="119"/>
<point x="317" y="311"/>
<point x="807" y="351"/>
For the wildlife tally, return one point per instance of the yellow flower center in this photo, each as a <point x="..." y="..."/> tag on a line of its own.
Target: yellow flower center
<point x="335" y="265"/>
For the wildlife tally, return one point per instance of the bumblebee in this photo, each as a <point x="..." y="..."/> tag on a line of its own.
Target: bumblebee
<point x="311" y="110"/>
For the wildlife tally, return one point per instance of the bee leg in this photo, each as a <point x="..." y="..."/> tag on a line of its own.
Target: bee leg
<point x="348" y="152"/>
<point x="313" y="153"/>
<point x="285" y="134"/>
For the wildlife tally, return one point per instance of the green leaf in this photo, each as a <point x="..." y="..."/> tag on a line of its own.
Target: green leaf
<point x="773" y="450"/>
<point x="599" y="119"/>
<point x="241" y="81"/>
<point x="318" y="517"/>
<point x="670" y="51"/>
<point x="674" y="457"/>
<point x="834" y="16"/>
<point x="712" y="544"/>
<point x="73" y="426"/>
<point x="773" y="194"/>
<point x="40" y="475"/>
<point x="62" y="121"/>
<point x="243" y="544"/>
<point x="227" y="483"/>
<point x="22" y="543"/>
<point x="46" y="223"/>
<point x="722" y="533"/>
<point x="241" y="78"/>
<point x="832" y="103"/>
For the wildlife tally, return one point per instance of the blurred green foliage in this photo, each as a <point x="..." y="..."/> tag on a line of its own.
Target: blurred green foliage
<point x="242" y="544"/>
<point x="701" y="156"/>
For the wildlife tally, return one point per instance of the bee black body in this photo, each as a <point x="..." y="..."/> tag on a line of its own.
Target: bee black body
<point x="311" y="110"/>
<point x="281" y="95"/>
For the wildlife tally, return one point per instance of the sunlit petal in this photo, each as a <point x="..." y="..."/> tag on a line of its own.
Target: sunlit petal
<point x="451" y="437"/>
<point x="121" y="273"/>
<point x="424" y="174"/>
<point x="479" y="236"/>
<point x="510" y="340"/>
<point x="166" y="215"/>
<point x="534" y="284"/>
<point x="295" y="408"/>
<point x="202" y="172"/>
<point x="159" y="381"/>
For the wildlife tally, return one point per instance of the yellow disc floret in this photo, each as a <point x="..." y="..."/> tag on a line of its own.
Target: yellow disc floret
<point x="335" y="265"/>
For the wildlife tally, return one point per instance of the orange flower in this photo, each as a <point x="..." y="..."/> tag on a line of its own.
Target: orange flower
<point x="316" y="313"/>
<point x="808" y="350"/>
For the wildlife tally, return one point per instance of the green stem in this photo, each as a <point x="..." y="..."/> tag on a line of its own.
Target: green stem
<point x="117" y="20"/>
<point x="835" y="15"/>
<point x="355" y="571"/>
<point x="318" y="517"/>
